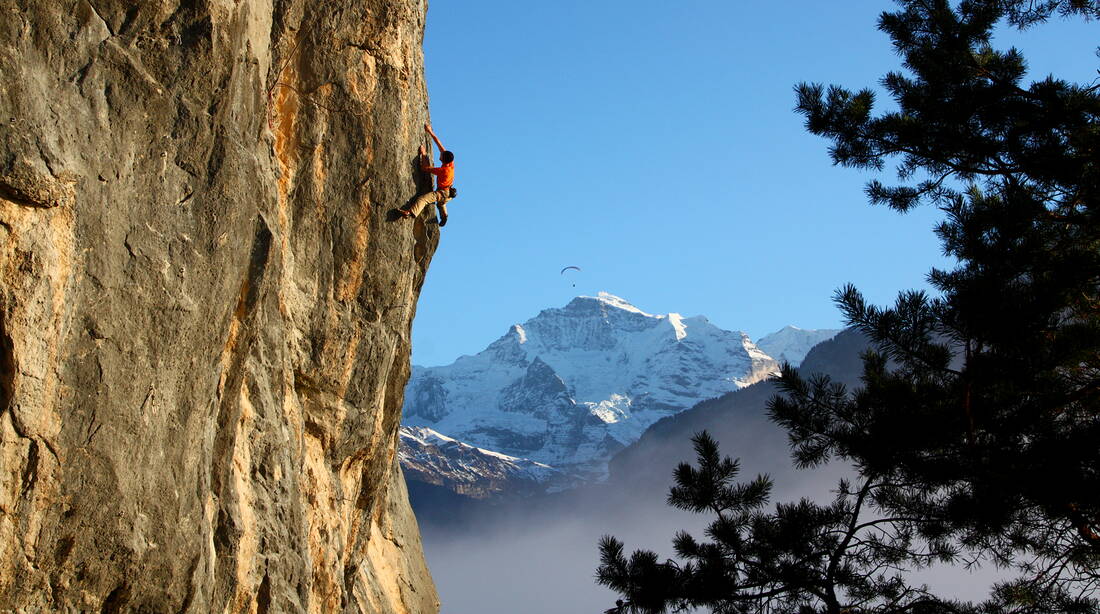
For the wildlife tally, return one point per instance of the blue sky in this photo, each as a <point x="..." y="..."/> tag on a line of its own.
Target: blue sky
<point x="657" y="149"/>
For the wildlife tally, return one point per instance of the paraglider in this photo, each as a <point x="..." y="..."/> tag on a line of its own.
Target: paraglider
<point x="575" y="268"/>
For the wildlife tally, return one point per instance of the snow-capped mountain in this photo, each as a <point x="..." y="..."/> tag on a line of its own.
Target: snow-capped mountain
<point x="791" y="343"/>
<point x="434" y="458"/>
<point x="573" y="385"/>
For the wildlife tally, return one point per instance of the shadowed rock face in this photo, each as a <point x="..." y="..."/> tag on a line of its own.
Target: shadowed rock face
<point x="204" y="311"/>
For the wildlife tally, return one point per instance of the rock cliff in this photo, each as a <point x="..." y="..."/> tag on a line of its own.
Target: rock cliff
<point x="204" y="310"/>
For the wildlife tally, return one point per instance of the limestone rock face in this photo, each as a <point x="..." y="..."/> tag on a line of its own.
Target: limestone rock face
<point x="204" y="311"/>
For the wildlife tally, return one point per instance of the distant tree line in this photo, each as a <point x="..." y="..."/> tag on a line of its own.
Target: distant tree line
<point x="975" y="435"/>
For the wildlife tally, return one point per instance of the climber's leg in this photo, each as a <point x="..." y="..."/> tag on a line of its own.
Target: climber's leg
<point x="441" y="204"/>
<point x="418" y="205"/>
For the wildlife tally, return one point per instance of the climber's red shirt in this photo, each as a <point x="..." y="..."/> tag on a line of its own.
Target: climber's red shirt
<point x="444" y="175"/>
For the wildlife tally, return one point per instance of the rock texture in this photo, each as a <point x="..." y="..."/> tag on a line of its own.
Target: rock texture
<point x="204" y="310"/>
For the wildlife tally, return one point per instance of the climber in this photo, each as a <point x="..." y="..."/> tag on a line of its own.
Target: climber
<point x="444" y="180"/>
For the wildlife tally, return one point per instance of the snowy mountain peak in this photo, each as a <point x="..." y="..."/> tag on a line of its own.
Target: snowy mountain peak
<point x="574" y="384"/>
<point x="614" y="301"/>
<point x="604" y="305"/>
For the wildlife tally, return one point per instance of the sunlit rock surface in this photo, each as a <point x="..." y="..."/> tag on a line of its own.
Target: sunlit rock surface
<point x="204" y="311"/>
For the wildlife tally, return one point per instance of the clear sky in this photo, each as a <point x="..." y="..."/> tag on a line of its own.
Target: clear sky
<point x="654" y="145"/>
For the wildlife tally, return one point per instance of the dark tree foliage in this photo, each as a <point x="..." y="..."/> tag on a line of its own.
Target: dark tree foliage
<point x="983" y="402"/>
<point x="976" y="431"/>
<point x="800" y="558"/>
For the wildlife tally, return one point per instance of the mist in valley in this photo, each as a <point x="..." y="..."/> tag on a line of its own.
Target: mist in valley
<point x="539" y="555"/>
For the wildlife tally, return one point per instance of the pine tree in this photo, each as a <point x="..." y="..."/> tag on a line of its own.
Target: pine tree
<point x="800" y="558"/>
<point x="976" y="431"/>
<point x="984" y="401"/>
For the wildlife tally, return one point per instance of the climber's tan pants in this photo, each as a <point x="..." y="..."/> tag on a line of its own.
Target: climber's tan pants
<point x="439" y="197"/>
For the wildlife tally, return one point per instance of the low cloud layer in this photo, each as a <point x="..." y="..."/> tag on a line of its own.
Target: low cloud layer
<point x="540" y="558"/>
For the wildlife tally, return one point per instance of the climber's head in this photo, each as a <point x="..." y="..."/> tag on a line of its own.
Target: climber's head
<point x="447" y="157"/>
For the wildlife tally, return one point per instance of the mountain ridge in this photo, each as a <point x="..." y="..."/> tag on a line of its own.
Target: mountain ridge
<point x="569" y="388"/>
<point x="791" y="343"/>
<point x="571" y="385"/>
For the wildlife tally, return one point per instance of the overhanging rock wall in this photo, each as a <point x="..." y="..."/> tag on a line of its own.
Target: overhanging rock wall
<point x="204" y="311"/>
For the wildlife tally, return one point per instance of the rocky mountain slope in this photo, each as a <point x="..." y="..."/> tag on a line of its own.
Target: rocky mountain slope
<point x="573" y="385"/>
<point x="204" y="311"/>
<point x="432" y="458"/>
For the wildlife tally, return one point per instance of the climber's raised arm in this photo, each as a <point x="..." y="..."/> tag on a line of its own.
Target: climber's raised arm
<point x="438" y="144"/>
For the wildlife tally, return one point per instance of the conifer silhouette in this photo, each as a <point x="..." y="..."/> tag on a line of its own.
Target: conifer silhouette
<point x="976" y="431"/>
